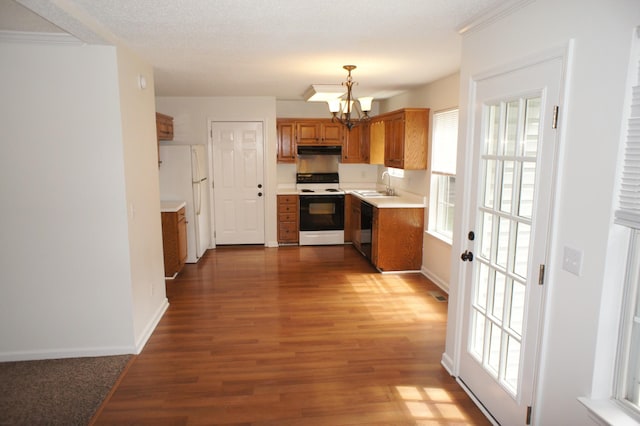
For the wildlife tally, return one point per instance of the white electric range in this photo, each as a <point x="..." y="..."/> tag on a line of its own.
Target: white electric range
<point x="321" y="208"/>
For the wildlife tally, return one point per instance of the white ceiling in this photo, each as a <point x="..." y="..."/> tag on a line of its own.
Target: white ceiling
<point x="269" y="47"/>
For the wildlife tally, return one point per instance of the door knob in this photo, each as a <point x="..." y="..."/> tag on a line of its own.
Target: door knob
<point x="259" y="194"/>
<point x="259" y="185"/>
<point x="467" y="255"/>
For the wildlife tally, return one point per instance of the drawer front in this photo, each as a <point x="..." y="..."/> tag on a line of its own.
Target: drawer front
<point x="287" y="217"/>
<point x="288" y="232"/>
<point x="288" y="227"/>
<point x="288" y="199"/>
<point x="288" y="208"/>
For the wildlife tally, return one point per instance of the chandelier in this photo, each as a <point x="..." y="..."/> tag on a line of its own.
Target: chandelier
<point x="344" y="108"/>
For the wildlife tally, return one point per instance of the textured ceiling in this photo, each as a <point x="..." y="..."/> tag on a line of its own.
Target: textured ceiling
<point x="275" y="47"/>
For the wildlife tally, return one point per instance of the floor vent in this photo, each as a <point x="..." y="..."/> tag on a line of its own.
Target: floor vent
<point x="438" y="296"/>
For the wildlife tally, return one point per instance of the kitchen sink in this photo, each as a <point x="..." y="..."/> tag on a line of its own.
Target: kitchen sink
<point x="373" y="193"/>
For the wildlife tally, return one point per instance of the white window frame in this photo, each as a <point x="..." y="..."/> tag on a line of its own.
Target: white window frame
<point x="440" y="203"/>
<point x="627" y="376"/>
<point x="442" y="170"/>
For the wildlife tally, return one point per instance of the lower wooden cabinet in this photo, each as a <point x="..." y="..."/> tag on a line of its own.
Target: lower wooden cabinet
<point x="288" y="232"/>
<point x="174" y="241"/>
<point x="354" y="221"/>
<point x="396" y="235"/>
<point x="396" y="243"/>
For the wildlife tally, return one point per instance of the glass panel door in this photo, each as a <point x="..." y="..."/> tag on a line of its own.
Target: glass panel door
<point x="509" y="212"/>
<point x="508" y="167"/>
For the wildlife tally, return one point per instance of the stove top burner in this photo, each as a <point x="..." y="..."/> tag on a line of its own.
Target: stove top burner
<point x="307" y="190"/>
<point x="332" y="190"/>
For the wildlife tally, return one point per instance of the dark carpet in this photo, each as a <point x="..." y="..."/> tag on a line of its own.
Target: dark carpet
<point x="56" y="391"/>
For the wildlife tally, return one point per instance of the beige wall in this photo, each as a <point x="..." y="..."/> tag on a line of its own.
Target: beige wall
<point x="439" y="95"/>
<point x="137" y="109"/>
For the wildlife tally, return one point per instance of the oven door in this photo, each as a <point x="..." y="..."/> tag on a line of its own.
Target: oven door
<point x="321" y="212"/>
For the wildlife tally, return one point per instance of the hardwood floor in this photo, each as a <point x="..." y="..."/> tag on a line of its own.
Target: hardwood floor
<point x="307" y="335"/>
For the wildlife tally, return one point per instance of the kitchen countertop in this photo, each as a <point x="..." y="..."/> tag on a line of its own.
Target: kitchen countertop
<point x="284" y="189"/>
<point x="171" y="206"/>
<point x="402" y="200"/>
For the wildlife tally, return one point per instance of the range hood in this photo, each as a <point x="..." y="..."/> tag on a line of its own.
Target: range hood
<point x="319" y="150"/>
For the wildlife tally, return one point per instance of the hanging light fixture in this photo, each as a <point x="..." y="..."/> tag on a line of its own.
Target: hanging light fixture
<point x="343" y="108"/>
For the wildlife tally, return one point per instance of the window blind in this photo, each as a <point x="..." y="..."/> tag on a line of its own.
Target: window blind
<point x="444" y="142"/>
<point x="628" y="213"/>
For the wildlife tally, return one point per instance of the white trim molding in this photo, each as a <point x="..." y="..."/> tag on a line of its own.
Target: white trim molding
<point x="151" y="326"/>
<point x="443" y="285"/>
<point x="39" y="38"/>
<point x="485" y="19"/>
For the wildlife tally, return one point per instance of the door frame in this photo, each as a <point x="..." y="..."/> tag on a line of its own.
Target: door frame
<point x="459" y="273"/>
<point x="210" y="124"/>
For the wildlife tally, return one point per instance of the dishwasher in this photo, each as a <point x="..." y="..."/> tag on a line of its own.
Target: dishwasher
<point x="366" y="228"/>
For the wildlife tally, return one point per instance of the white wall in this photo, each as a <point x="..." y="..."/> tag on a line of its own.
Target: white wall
<point x="191" y="117"/>
<point x="66" y="271"/>
<point x="437" y="96"/>
<point x="590" y="122"/>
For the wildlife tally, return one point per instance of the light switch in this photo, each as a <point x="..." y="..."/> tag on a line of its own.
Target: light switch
<point x="572" y="260"/>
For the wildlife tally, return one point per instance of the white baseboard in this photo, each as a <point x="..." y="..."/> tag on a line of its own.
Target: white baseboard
<point x="66" y="353"/>
<point x="152" y="325"/>
<point x="447" y="363"/>
<point x="444" y="286"/>
<point x="477" y="402"/>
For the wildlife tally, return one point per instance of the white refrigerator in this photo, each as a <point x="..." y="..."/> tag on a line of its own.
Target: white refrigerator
<point x="183" y="177"/>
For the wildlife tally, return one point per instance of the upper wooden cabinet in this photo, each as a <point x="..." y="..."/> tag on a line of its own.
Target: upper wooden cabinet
<point x="399" y="139"/>
<point x="286" y="141"/>
<point x="396" y="139"/>
<point x="306" y="131"/>
<point x="355" y="148"/>
<point x="318" y="132"/>
<point x="394" y="144"/>
<point x="376" y="141"/>
<point x="164" y="127"/>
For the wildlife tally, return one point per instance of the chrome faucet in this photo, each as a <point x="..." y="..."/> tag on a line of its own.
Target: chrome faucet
<point x="389" y="190"/>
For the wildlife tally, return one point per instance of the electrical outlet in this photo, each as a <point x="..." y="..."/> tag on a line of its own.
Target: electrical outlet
<point x="572" y="261"/>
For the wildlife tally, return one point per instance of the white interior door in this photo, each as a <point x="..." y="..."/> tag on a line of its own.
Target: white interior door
<point x="238" y="182"/>
<point x="514" y="165"/>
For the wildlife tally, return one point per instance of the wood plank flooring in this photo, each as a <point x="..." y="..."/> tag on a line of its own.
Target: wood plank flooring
<point x="308" y="335"/>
